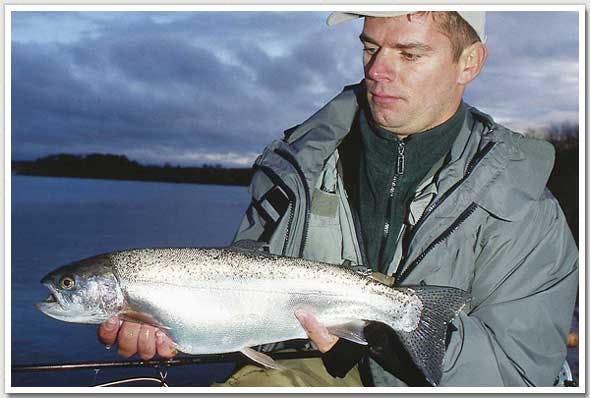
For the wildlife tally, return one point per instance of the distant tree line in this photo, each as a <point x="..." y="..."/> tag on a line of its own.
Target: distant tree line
<point x="119" y="167"/>
<point x="563" y="182"/>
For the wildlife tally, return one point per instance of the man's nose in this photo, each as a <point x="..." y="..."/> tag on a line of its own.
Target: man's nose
<point x="380" y="67"/>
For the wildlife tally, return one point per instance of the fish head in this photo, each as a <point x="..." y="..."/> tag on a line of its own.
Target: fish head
<point x="86" y="291"/>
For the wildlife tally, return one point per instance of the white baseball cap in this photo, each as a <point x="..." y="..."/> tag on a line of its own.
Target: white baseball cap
<point x="477" y="19"/>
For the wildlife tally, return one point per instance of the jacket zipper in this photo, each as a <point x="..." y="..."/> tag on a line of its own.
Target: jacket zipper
<point x="357" y="231"/>
<point x="291" y="159"/>
<point x="404" y="271"/>
<point x="440" y="239"/>
<point x="399" y="171"/>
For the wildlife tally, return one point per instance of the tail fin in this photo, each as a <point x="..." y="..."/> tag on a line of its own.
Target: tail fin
<point x="426" y="343"/>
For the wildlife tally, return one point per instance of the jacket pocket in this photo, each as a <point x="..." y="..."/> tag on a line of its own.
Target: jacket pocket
<point x="324" y="236"/>
<point x="324" y="243"/>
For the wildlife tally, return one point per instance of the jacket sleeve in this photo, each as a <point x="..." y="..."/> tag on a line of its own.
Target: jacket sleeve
<point x="524" y="290"/>
<point x="251" y="227"/>
<point x="268" y="204"/>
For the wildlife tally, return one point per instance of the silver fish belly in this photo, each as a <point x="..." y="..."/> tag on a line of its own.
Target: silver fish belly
<point x="218" y="300"/>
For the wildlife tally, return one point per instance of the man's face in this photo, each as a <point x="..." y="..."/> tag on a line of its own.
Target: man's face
<point x="410" y="75"/>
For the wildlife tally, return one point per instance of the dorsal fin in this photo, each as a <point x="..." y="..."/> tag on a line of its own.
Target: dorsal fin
<point x="248" y="245"/>
<point x="361" y="269"/>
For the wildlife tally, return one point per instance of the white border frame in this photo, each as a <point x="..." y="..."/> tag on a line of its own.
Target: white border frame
<point x="9" y="8"/>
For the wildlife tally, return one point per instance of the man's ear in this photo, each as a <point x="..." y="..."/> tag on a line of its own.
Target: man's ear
<point x="471" y="62"/>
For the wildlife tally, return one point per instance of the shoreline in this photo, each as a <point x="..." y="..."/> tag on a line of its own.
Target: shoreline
<point x="117" y="167"/>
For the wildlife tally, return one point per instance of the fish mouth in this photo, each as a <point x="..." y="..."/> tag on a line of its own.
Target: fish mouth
<point x="51" y="307"/>
<point x="52" y="301"/>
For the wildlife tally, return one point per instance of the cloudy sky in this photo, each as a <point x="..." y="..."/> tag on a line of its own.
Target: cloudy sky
<point x="214" y="87"/>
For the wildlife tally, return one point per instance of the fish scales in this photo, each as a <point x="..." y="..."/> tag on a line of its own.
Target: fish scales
<point x="261" y="297"/>
<point x="218" y="300"/>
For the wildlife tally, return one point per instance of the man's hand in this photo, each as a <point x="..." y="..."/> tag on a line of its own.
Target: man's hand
<point x="131" y="338"/>
<point x="316" y="332"/>
<point x="338" y="355"/>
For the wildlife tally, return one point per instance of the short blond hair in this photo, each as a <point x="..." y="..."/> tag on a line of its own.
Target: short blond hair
<point x="452" y="25"/>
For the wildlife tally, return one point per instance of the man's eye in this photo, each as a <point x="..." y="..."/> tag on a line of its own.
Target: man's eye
<point x="370" y="50"/>
<point x="410" y="56"/>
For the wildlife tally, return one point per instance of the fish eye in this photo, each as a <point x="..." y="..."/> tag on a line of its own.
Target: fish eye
<point x="67" y="282"/>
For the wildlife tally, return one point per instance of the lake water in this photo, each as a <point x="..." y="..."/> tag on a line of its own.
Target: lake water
<point x="59" y="220"/>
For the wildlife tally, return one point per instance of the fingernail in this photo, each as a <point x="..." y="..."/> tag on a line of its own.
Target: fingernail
<point x="300" y="314"/>
<point x="111" y="323"/>
<point x="159" y="337"/>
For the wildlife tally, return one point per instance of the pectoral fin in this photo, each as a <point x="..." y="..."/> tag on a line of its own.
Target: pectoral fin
<point x="141" y="317"/>
<point x="261" y="358"/>
<point x="352" y="331"/>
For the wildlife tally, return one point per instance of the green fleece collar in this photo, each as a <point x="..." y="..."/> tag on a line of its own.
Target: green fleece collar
<point x="519" y="167"/>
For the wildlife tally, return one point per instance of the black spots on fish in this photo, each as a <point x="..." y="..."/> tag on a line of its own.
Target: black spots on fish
<point x="161" y="256"/>
<point x="443" y="296"/>
<point x="426" y="343"/>
<point x="382" y="340"/>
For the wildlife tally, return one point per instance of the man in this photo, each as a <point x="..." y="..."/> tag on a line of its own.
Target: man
<point x="398" y="174"/>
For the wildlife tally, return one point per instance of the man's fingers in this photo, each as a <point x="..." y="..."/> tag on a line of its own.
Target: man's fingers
<point x="317" y="332"/>
<point x="128" y="337"/>
<point x="107" y="332"/>
<point x="131" y="337"/>
<point x="146" y="343"/>
<point x="164" y="345"/>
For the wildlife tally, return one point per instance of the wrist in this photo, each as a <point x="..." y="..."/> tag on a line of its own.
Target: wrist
<point x="342" y="357"/>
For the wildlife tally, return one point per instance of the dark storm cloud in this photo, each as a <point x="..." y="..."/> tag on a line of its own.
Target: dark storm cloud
<point x="193" y="81"/>
<point x="217" y="86"/>
<point x="531" y="77"/>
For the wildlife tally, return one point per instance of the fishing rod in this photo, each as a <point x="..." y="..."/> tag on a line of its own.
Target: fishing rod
<point x="188" y="360"/>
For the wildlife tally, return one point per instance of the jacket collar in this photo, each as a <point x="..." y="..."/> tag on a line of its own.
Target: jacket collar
<point x="316" y="139"/>
<point x="506" y="179"/>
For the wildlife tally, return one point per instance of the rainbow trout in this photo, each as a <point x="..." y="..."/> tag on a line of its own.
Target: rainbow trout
<point x="219" y="300"/>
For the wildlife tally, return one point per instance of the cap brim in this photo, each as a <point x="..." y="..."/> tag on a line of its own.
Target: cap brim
<point x="474" y="18"/>
<point x="338" y="16"/>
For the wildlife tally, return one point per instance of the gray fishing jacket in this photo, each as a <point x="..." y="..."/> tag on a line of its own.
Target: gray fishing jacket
<point x="483" y="222"/>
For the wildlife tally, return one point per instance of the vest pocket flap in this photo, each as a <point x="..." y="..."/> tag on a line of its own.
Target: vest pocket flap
<point x="324" y="204"/>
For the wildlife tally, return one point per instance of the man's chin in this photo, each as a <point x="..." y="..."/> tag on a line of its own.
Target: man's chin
<point x="386" y="122"/>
